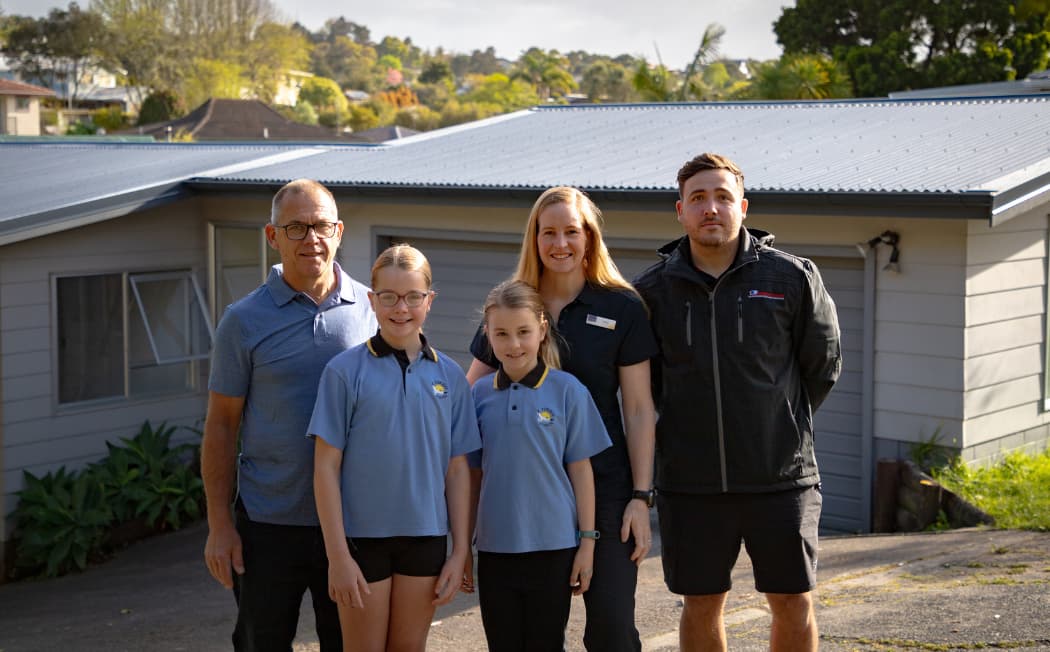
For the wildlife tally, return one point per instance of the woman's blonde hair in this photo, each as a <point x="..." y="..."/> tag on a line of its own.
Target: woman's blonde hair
<point x="404" y="257"/>
<point x="598" y="265"/>
<point x="516" y="294"/>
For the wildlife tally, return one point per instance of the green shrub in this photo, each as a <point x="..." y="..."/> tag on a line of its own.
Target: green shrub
<point x="1016" y="491"/>
<point x="110" y="118"/>
<point x="62" y="520"/>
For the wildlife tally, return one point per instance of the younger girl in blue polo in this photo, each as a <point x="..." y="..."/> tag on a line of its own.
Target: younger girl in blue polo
<point x="535" y="518"/>
<point x="393" y="422"/>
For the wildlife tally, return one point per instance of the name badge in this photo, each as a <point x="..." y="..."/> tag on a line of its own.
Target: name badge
<point x="601" y="322"/>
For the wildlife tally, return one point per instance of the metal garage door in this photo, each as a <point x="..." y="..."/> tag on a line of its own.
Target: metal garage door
<point x="464" y="272"/>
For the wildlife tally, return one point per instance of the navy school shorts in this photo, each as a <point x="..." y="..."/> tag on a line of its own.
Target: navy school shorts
<point x="382" y="557"/>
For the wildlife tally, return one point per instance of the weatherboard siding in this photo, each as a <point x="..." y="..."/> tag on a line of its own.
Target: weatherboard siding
<point x="38" y="435"/>
<point x="1006" y="277"/>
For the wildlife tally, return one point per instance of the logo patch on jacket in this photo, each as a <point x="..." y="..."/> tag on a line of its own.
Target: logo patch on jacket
<point x="762" y="294"/>
<point x="439" y="388"/>
<point x="544" y="417"/>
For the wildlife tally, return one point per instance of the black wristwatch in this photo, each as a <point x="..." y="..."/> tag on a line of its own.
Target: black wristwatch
<point x="646" y="497"/>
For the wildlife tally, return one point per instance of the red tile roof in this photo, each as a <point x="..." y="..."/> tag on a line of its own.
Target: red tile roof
<point x="8" y="87"/>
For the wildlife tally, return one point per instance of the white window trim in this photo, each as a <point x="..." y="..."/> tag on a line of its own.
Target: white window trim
<point x="133" y="280"/>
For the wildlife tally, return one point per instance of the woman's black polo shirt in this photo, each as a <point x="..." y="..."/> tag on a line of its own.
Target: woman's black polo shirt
<point x="598" y="332"/>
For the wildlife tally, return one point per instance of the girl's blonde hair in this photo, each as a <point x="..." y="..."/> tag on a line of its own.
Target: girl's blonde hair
<point x="598" y="265"/>
<point x="404" y="257"/>
<point x="516" y="294"/>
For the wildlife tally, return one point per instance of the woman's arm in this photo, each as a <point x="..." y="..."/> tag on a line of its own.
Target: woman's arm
<point x="477" y="370"/>
<point x="639" y="421"/>
<point x="582" y="479"/>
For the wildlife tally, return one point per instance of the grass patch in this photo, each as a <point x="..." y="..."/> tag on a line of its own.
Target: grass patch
<point x="1016" y="491"/>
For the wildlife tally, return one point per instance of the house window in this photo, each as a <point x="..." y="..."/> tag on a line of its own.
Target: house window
<point x="129" y="335"/>
<point x="241" y="259"/>
<point x="21" y="104"/>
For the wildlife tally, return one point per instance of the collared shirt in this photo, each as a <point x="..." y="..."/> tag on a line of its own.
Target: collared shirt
<point x="530" y="430"/>
<point x="600" y="331"/>
<point x="270" y="348"/>
<point x="398" y="431"/>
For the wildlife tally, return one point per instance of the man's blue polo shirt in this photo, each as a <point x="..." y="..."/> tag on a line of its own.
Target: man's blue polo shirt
<point x="530" y="430"/>
<point x="398" y="423"/>
<point x="270" y="348"/>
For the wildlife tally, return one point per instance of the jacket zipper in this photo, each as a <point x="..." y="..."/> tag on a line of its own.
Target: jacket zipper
<point x="740" y="320"/>
<point x="689" y="324"/>
<point x="718" y="394"/>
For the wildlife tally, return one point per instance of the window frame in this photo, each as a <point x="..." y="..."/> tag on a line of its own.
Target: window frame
<point x="126" y="396"/>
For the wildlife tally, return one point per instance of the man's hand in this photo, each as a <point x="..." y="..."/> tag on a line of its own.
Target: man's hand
<point x="636" y="522"/>
<point x="223" y="551"/>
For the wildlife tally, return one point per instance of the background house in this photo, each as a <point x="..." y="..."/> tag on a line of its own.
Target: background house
<point x="952" y="344"/>
<point x="20" y="108"/>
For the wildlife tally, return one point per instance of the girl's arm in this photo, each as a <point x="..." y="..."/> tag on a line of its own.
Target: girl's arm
<point x="639" y="422"/>
<point x="457" y="498"/>
<point x="346" y="583"/>
<point x="582" y="479"/>
<point x="477" y="370"/>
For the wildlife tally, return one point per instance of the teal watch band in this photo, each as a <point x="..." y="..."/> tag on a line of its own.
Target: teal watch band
<point x="588" y="534"/>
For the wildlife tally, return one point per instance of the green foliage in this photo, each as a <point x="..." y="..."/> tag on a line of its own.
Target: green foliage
<point x="362" y="117"/>
<point x="931" y="453"/>
<point x="304" y="113"/>
<point x="502" y="91"/>
<point x="110" y="118"/>
<point x="456" y="112"/>
<point x="901" y="44"/>
<point x="62" y="520"/>
<point x="1016" y="491"/>
<point x="325" y="95"/>
<point x="547" y="71"/>
<point x="212" y="78"/>
<point x="420" y="118"/>
<point x="160" y="106"/>
<point x="799" y="77"/>
<point x="80" y="129"/>
<point x="654" y="83"/>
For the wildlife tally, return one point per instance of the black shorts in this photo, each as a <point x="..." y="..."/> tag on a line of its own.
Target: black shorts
<point x="380" y="558"/>
<point x="700" y="537"/>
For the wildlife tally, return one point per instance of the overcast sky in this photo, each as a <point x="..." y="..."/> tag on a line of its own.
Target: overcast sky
<point x="612" y="27"/>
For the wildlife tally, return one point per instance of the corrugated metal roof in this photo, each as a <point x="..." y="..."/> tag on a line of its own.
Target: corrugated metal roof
<point x="990" y="154"/>
<point x="946" y="146"/>
<point x="48" y="186"/>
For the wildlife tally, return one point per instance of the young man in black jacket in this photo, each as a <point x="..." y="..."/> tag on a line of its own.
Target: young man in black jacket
<point x="749" y="348"/>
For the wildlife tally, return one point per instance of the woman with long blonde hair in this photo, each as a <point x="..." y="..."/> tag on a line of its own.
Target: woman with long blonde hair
<point x="602" y="330"/>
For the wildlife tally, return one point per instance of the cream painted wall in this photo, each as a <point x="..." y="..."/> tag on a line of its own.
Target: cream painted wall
<point x="15" y="122"/>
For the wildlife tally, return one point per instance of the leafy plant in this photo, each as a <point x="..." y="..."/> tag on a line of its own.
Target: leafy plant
<point x="1016" y="491"/>
<point x="62" y="519"/>
<point x="930" y="453"/>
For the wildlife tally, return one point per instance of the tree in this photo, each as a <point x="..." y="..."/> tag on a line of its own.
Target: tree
<point x="546" y="71"/>
<point x="58" y="48"/>
<point x="605" y="80"/>
<point x="654" y="83"/>
<point x="140" y="45"/>
<point x="502" y="91"/>
<point x="325" y="96"/>
<point x="269" y="56"/>
<point x="212" y="78"/>
<point x="160" y="106"/>
<point x="705" y="54"/>
<point x="436" y="71"/>
<point x="799" y="76"/>
<point x="901" y="44"/>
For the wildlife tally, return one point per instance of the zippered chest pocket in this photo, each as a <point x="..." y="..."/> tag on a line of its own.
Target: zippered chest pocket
<point x="764" y="316"/>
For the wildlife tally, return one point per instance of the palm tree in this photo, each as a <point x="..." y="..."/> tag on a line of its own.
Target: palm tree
<point x="705" y="54"/>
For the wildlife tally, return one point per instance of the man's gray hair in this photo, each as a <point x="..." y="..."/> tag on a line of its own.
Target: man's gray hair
<point x="299" y="187"/>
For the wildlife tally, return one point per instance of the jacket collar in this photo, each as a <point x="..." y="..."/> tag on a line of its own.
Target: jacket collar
<point x="678" y="258"/>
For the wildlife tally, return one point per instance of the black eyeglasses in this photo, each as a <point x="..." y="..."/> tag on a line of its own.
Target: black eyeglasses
<point x="297" y="231"/>
<point x="389" y="298"/>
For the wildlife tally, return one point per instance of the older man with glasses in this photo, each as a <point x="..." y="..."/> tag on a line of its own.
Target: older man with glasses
<point x="270" y="349"/>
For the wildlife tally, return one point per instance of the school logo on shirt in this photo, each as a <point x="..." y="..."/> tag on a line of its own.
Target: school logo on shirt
<point x="439" y="388"/>
<point x="544" y="417"/>
<point x="762" y="294"/>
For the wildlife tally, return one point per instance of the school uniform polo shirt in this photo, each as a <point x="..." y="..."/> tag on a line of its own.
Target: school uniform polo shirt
<point x="398" y="424"/>
<point x="529" y="431"/>
<point x="598" y="332"/>
<point x="270" y="348"/>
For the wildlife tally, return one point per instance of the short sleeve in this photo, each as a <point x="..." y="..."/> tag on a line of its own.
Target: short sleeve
<point x="586" y="435"/>
<point x="231" y="368"/>
<point x="639" y="343"/>
<point x="480" y="348"/>
<point x="332" y="410"/>
<point x="465" y="435"/>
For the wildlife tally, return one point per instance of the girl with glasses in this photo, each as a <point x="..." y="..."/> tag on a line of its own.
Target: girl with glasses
<point x="393" y="422"/>
<point x="535" y="514"/>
